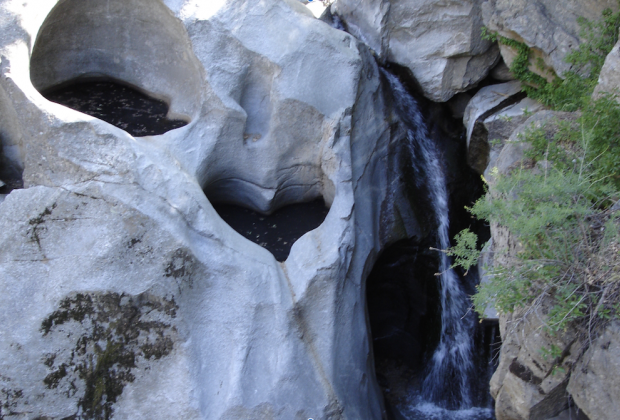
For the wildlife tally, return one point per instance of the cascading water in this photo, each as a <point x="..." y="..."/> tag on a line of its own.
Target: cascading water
<point x="446" y="389"/>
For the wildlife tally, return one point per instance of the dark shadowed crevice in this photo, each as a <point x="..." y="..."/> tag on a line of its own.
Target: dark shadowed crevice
<point x="403" y="289"/>
<point x="126" y="62"/>
<point x="118" y="104"/>
<point x="10" y="174"/>
<point x="278" y="231"/>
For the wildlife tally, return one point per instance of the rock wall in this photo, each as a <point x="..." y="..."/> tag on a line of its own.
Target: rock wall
<point x="529" y="383"/>
<point x="124" y="293"/>
<point x="126" y="296"/>
<point x="439" y="41"/>
<point x="548" y="27"/>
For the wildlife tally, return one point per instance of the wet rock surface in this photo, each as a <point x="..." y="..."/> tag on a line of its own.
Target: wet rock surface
<point x="117" y="104"/>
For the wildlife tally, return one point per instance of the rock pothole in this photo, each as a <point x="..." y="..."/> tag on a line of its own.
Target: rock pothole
<point x="278" y="231"/>
<point x="84" y="45"/>
<point x="117" y="104"/>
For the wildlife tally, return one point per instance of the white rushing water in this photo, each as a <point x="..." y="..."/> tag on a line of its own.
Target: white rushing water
<point x="446" y="389"/>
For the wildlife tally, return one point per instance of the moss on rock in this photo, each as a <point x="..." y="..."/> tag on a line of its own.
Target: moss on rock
<point x="114" y="332"/>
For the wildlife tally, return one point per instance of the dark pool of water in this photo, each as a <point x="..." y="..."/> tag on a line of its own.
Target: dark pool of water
<point x="117" y="104"/>
<point x="278" y="231"/>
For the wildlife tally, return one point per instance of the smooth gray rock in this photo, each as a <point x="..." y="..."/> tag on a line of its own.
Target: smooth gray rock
<point x="489" y="101"/>
<point x="510" y="154"/>
<point x="499" y="127"/>
<point x="501" y="72"/>
<point x="124" y="293"/>
<point x="548" y="27"/>
<point x="571" y="414"/>
<point x="609" y="78"/>
<point x="594" y="384"/>
<point x="439" y="41"/>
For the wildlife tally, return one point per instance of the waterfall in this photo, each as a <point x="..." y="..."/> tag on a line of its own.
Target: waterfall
<point x="447" y="384"/>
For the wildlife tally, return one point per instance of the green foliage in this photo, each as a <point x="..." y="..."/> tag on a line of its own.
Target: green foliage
<point x="464" y="252"/>
<point x="557" y="206"/>
<point x="600" y="38"/>
<point x="556" y="213"/>
<point x="551" y="353"/>
<point x="602" y="120"/>
<point x="571" y="92"/>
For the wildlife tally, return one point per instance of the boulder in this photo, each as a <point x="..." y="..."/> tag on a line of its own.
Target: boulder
<point x="439" y="42"/>
<point x="550" y="28"/>
<point x="491" y="117"/>
<point x="609" y="78"/>
<point x="594" y="384"/>
<point x="485" y="104"/>
<point x="501" y="72"/>
<point x="508" y="155"/>
<point x="125" y="295"/>
<point x="530" y="382"/>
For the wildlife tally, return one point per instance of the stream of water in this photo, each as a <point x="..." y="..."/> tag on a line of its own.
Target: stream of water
<point x="445" y="392"/>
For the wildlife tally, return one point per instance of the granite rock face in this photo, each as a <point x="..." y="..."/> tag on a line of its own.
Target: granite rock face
<point x="609" y="78"/>
<point x="548" y="27"/>
<point x="439" y="41"/>
<point x="486" y="104"/>
<point x="528" y="384"/>
<point x="594" y="382"/>
<point x="491" y="118"/>
<point x="124" y="293"/>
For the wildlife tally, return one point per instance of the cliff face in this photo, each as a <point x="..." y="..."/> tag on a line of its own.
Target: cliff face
<point x="124" y="294"/>
<point x="542" y="373"/>
<point x="531" y="381"/>
<point x="528" y="383"/>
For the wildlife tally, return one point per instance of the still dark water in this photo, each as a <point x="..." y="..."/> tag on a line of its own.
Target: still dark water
<point x="278" y="231"/>
<point x="117" y="104"/>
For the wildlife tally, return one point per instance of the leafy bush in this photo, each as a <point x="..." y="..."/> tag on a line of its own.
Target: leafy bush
<point x="559" y="218"/>
<point x="557" y="206"/>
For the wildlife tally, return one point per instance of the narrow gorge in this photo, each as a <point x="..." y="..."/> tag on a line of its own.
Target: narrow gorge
<point x="232" y="209"/>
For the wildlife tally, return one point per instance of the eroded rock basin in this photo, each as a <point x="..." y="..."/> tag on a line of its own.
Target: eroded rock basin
<point x="278" y="231"/>
<point x="117" y="104"/>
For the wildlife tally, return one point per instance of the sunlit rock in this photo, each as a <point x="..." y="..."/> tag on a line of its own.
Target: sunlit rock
<point x="125" y="295"/>
<point x="440" y="42"/>
<point x="549" y="27"/>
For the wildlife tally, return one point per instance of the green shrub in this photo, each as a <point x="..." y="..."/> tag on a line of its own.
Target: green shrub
<point x="557" y="206"/>
<point x="556" y="215"/>
<point x="572" y="91"/>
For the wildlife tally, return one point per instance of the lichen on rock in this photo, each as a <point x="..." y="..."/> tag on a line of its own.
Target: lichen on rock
<point x="111" y="333"/>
